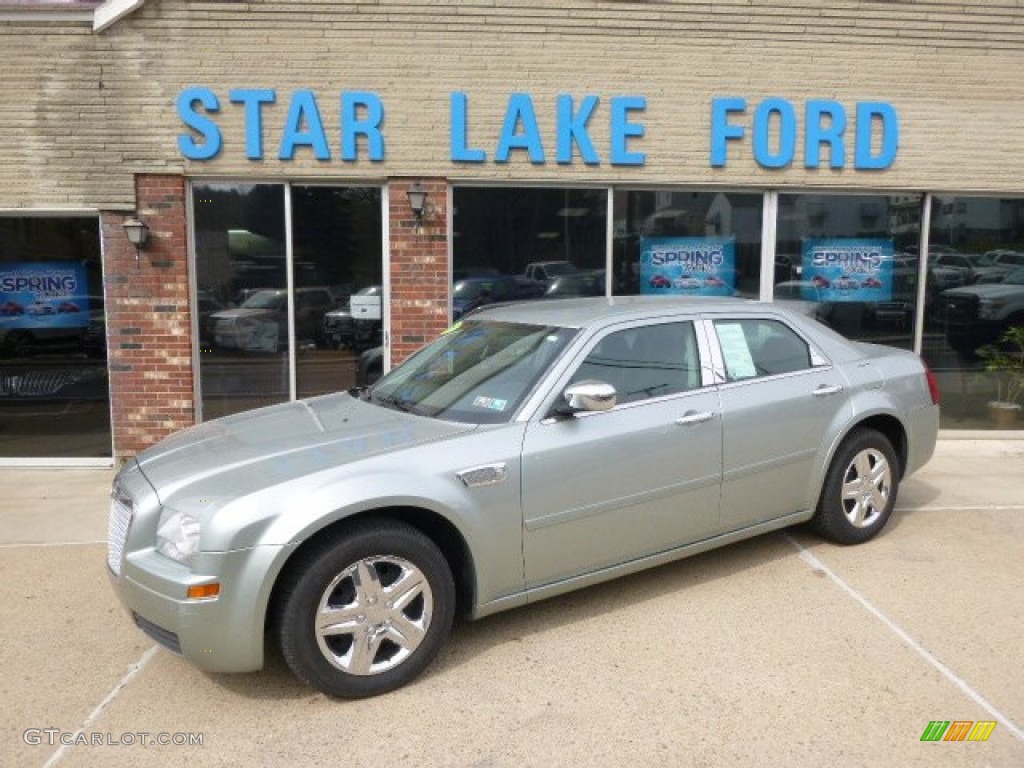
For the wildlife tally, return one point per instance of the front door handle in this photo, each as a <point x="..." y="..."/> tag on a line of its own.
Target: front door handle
<point x="826" y="389"/>
<point x="693" y="417"/>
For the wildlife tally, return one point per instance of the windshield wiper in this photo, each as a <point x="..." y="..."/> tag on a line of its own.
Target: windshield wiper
<point x="394" y="401"/>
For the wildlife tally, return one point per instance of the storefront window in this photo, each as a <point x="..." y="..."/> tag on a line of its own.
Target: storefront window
<point x="242" y="296"/>
<point x="851" y="261"/>
<point x="242" y="271"/>
<point x="527" y="243"/>
<point x="338" y="295"/>
<point x="54" y="391"/>
<point x="974" y="339"/>
<point x="688" y="243"/>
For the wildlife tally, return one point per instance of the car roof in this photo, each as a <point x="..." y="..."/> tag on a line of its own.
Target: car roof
<point x="585" y="312"/>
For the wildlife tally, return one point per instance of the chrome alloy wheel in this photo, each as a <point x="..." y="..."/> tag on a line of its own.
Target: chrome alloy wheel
<point x="867" y="484"/>
<point x="374" y="615"/>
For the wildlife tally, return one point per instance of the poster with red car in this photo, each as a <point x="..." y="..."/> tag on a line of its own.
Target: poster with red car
<point x="49" y="294"/>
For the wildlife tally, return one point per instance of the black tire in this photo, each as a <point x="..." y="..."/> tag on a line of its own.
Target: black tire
<point x="860" y="489"/>
<point x="379" y="644"/>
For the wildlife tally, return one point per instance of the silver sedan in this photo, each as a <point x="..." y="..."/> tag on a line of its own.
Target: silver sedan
<point x="530" y="450"/>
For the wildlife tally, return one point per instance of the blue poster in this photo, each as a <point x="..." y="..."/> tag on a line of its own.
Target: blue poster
<point x="847" y="269"/>
<point x="694" y="266"/>
<point x="44" y="294"/>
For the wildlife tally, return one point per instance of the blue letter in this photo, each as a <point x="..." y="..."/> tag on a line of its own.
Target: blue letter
<point x="187" y="145"/>
<point x="817" y="134"/>
<point x="253" y="98"/>
<point x="520" y="108"/>
<point x="623" y="130"/>
<point x="573" y="128"/>
<point x="866" y="112"/>
<point x="787" y="133"/>
<point x="721" y="131"/>
<point x="369" y="126"/>
<point x="304" y="105"/>
<point x="460" y="152"/>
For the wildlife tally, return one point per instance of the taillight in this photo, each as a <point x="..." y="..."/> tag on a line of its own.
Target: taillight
<point x="933" y="384"/>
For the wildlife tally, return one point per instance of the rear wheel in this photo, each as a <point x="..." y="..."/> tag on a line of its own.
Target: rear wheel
<point x="368" y="611"/>
<point x="860" y="489"/>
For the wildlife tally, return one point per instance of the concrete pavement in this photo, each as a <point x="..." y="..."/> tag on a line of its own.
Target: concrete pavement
<point x="780" y="651"/>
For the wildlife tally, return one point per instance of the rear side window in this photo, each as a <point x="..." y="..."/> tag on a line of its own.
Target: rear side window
<point x="756" y="347"/>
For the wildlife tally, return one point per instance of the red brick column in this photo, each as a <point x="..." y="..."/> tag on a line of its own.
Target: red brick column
<point x="149" y="346"/>
<point x="419" y="267"/>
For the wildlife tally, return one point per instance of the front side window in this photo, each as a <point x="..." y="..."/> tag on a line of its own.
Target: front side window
<point x="754" y="348"/>
<point x="479" y="372"/>
<point x="645" y="362"/>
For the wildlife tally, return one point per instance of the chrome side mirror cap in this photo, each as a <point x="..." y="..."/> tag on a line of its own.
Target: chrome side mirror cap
<point x="590" y="395"/>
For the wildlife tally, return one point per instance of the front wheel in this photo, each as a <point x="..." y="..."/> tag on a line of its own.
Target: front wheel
<point x="860" y="489"/>
<point x="368" y="611"/>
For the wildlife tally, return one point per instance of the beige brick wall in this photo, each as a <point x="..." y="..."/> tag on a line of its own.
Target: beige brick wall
<point x="82" y="113"/>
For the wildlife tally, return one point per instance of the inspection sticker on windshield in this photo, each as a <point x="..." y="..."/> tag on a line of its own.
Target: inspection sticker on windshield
<point x="490" y="403"/>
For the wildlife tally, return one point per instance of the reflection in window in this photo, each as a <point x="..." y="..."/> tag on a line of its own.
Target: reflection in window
<point x="54" y="391"/>
<point x="242" y="272"/>
<point x="241" y="282"/>
<point x="976" y="266"/>
<point x="645" y="362"/>
<point x="552" y="241"/>
<point x="688" y="243"/>
<point x="338" y="303"/>
<point x="851" y="261"/>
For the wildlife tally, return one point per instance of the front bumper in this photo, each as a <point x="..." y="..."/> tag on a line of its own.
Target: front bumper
<point x="222" y="634"/>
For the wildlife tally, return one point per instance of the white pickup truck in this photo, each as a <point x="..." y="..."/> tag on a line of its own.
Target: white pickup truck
<point x="973" y="315"/>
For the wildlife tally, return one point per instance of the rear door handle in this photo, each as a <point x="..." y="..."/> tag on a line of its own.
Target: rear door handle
<point x="695" y="418"/>
<point x="826" y="389"/>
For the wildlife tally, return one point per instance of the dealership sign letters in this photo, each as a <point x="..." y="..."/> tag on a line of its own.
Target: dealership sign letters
<point x="868" y="133"/>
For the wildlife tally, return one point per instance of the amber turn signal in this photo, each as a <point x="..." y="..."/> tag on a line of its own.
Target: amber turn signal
<point x="203" y="591"/>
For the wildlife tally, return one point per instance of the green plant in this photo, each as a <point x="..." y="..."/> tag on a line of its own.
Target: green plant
<point x="1005" y="360"/>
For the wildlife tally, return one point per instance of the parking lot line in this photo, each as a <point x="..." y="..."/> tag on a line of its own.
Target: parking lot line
<point x="808" y="557"/>
<point x="57" y="756"/>
<point x="972" y="508"/>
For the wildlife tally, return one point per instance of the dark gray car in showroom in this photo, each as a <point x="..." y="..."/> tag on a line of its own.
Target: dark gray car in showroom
<point x="530" y="450"/>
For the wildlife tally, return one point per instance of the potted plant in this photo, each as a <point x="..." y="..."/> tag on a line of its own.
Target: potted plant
<point x="1005" y="361"/>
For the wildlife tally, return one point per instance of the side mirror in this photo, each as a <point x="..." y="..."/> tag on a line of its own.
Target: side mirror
<point x="588" y="395"/>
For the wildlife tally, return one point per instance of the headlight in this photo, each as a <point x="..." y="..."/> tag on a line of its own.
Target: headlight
<point x="177" y="536"/>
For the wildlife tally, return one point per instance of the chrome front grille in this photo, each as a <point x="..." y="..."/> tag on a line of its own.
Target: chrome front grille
<point x="120" y="522"/>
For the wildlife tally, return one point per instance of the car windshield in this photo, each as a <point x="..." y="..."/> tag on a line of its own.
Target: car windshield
<point x="264" y="300"/>
<point x="560" y="268"/>
<point x="478" y="372"/>
<point x="1015" y="278"/>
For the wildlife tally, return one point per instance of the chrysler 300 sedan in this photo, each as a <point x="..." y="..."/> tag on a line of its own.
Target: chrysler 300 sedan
<point x="530" y="450"/>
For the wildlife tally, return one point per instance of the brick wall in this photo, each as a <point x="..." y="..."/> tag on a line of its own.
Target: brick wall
<point x="148" y="318"/>
<point x="419" y="267"/>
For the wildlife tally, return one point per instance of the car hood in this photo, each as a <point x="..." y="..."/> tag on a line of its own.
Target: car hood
<point x="240" y="454"/>
<point x="987" y="291"/>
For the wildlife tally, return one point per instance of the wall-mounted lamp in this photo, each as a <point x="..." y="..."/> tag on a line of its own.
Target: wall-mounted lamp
<point x="137" y="233"/>
<point x="417" y="201"/>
